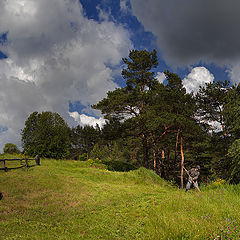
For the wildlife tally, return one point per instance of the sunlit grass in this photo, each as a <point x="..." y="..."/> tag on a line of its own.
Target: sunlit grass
<point x="71" y="200"/>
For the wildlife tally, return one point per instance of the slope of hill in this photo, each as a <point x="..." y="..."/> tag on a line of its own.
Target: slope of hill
<point x="73" y="200"/>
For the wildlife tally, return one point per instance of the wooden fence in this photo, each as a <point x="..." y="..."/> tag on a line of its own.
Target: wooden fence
<point x="24" y="163"/>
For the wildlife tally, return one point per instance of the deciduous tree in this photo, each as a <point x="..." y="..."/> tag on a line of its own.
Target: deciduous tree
<point x="10" y="148"/>
<point x="47" y="135"/>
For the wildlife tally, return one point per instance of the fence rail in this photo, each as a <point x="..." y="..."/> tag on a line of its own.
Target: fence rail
<point x="24" y="163"/>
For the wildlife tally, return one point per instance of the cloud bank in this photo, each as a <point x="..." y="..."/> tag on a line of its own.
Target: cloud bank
<point x="192" y="31"/>
<point x="55" y="56"/>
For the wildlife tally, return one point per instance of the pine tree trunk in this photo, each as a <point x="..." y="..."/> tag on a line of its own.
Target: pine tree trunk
<point x="168" y="159"/>
<point x="145" y="152"/>
<point x="176" y="146"/>
<point x="154" y="153"/>
<point x="182" y="160"/>
<point x="163" y="163"/>
<point x="154" y="157"/>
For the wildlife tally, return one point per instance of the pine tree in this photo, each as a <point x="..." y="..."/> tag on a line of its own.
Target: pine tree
<point x="129" y="104"/>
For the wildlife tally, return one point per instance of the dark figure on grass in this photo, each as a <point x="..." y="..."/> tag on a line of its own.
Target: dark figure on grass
<point x="1" y="195"/>
<point x="194" y="173"/>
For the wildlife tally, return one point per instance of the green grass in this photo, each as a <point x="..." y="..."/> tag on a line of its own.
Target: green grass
<point x="73" y="200"/>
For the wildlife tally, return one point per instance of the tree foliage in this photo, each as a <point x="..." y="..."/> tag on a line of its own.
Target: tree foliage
<point x="234" y="155"/>
<point x="10" y="148"/>
<point x="83" y="140"/>
<point x="47" y="135"/>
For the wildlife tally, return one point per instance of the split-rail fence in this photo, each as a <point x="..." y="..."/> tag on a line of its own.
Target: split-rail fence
<point x="24" y="163"/>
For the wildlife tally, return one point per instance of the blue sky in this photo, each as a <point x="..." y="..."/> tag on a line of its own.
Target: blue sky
<point x="63" y="56"/>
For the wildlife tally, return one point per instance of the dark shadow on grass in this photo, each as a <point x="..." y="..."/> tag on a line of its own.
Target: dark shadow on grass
<point x="119" y="166"/>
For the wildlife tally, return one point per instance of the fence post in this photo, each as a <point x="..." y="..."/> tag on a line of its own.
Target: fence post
<point x="37" y="160"/>
<point x="26" y="163"/>
<point x="4" y="166"/>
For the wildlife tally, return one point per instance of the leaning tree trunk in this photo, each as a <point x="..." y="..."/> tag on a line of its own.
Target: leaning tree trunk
<point x="182" y="159"/>
<point x="154" y="157"/>
<point x="163" y="164"/>
<point x="176" y="145"/>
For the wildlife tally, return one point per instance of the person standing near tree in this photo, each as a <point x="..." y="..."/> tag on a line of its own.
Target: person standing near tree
<point x="194" y="173"/>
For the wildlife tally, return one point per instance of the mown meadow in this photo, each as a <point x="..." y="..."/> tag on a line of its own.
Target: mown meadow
<point x="81" y="200"/>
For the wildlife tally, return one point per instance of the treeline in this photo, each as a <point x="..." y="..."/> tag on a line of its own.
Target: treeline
<point x="156" y="125"/>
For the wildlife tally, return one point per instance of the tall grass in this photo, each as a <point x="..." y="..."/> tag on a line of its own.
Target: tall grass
<point x="73" y="200"/>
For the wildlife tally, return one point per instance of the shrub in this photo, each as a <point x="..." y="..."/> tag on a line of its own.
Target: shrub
<point x="234" y="155"/>
<point x="83" y="157"/>
<point x="96" y="163"/>
<point x="11" y="148"/>
<point x="219" y="182"/>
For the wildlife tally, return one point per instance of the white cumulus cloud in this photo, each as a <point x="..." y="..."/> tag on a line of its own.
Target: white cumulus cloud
<point x="83" y="119"/>
<point x="55" y="56"/>
<point x="198" y="76"/>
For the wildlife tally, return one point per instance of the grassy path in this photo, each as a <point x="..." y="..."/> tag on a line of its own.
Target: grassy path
<point x="71" y="200"/>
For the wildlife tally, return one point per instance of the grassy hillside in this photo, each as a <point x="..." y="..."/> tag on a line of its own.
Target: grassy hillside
<point x="73" y="200"/>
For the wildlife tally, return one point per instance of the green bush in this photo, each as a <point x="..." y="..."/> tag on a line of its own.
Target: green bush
<point x="83" y="157"/>
<point x="11" y="148"/>
<point x="96" y="163"/>
<point x="219" y="182"/>
<point x="234" y="155"/>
